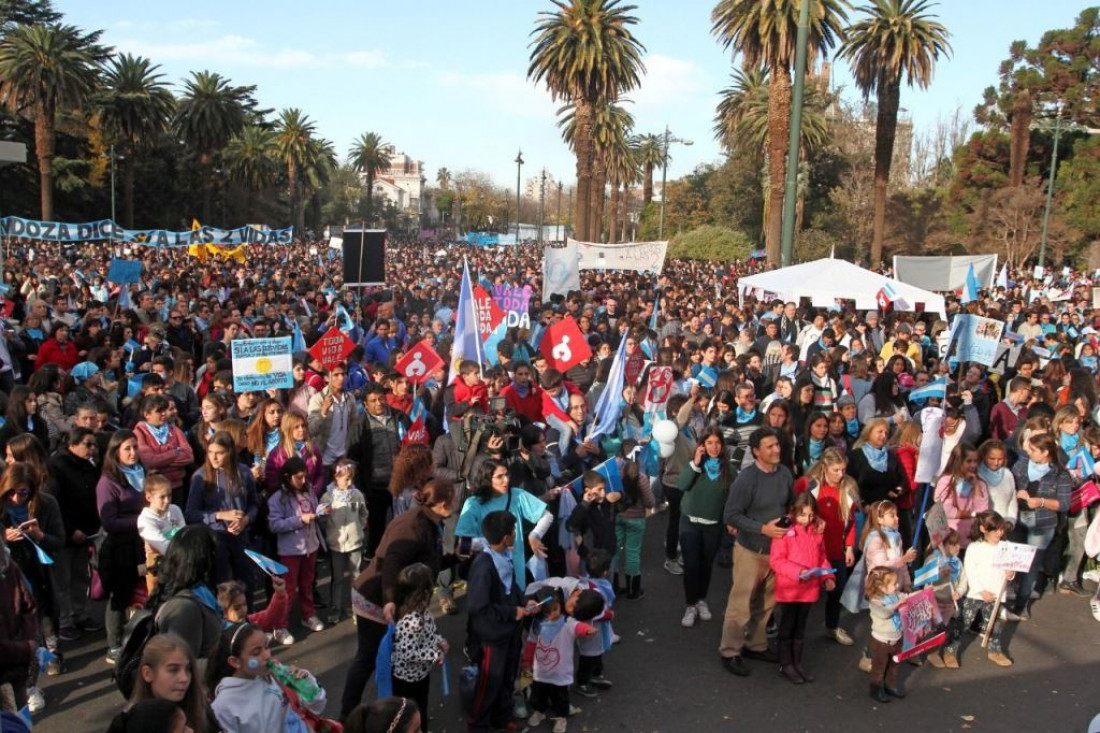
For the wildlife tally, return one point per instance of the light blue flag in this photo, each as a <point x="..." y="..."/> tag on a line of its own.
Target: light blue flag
<point x="1082" y="459"/>
<point x="656" y="308"/>
<point x="467" y="343"/>
<point x="534" y="337"/>
<point x="609" y="469"/>
<point x="445" y="678"/>
<point x="489" y="347"/>
<point x="929" y="573"/>
<point x="609" y="406"/>
<point x="43" y="558"/>
<point x="938" y="388"/>
<point x="343" y="319"/>
<point x="25" y="715"/>
<point x="297" y="340"/>
<point x="124" y="300"/>
<point x="708" y="377"/>
<point x="970" y="290"/>
<point x="269" y="566"/>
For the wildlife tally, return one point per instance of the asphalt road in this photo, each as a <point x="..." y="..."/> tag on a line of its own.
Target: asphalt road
<point x="669" y="679"/>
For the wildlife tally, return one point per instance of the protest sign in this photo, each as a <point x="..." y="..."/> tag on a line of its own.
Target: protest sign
<point x="1095" y="298"/>
<point x="332" y="348"/>
<point x="634" y="256"/>
<point x="260" y="364"/>
<point x="124" y="272"/>
<point x="659" y="389"/>
<point x="515" y="302"/>
<point x="978" y="339"/>
<point x="560" y="270"/>
<point x="419" y="362"/>
<point x="920" y="624"/>
<point x="564" y="346"/>
<point x="1014" y="556"/>
<point x="935" y="519"/>
<point x="1006" y="358"/>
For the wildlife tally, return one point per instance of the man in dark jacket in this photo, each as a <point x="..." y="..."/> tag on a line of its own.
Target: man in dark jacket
<point x="494" y="627"/>
<point x="374" y="442"/>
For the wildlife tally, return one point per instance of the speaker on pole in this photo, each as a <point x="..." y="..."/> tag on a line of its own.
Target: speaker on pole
<point x="364" y="257"/>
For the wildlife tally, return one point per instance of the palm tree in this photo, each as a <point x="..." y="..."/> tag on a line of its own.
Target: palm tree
<point x="622" y="171"/>
<point x="371" y="156"/>
<point x="45" y="69"/>
<point x="210" y="112"/>
<point x="764" y="33"/>
<point x="252" y="162"/>
<point x="293" y="137"/>
<point x="611" y="126"/>
<point x="134" y="108"/>
<point x="318" y="168"/>
<point x="586" y="55"/>
<point x="443" y="178"/>
<point x="650" y="155"/>
<point x="897" y="39"/>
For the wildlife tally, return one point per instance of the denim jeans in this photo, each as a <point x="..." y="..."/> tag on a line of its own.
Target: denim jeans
<point x="1025" y="582"/>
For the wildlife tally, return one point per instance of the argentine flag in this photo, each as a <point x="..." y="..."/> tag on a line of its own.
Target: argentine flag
<point x="970" y="290"/>
<point x="609" y="406"/>
<point x="938" y="389"/>
<point x="467" y="343"/>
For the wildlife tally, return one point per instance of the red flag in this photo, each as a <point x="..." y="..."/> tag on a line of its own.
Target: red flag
<point x="419" y="362"/>
<point x="564" y="346"/>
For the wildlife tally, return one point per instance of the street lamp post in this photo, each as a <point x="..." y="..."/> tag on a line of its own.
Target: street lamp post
<point x="557" y="219"/>
<point x="1050" y="188"/>
<point x="664" y="176"/>
<point x="113" y="218"/>
<point x="542" y="202"/>
<point x="519" y="165"/>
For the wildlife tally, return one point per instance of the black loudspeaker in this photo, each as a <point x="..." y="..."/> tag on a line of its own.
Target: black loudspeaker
<point x="364" y="257"/>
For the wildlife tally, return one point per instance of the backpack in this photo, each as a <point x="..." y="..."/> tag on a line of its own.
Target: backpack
<point x="141" y="627"/>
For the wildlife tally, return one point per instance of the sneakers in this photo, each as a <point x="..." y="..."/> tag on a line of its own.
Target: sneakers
<point x="560" y="725"/>
<point x="615" y="638"/>
<point x="519" y="705"/>
<point x="1009" y="616"/>
<point x="583" y="691"/>
<point x="1000" y="659"/>
<point x="54" y="666"/>
<point x="735" y="666"/>
<point x="704" y="611"/>
<point x="1094" y="605"/>
<point x="69" y="633"/>
<point x="112" y="655"/>
<point x="1093" y="575"/>
<point x="840" y="636"/>
<point x="674" y="567"/>
<point x="536" y="718"/>
<point x="688" y="619"/>
<point x="314" y="624"/>
<point x="36" y="701"/>
<point x="1024" y="615"/>
<point x="283" y="637"/>
<point x="601" y="682"/>
<point x="1072" y="589"/>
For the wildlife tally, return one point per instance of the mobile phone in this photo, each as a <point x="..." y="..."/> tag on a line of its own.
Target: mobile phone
<point x="783" y="522"/>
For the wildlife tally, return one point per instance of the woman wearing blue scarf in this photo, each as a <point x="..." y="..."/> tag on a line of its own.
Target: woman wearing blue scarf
<point x="119" y="500"/>
<point x="1066" y="429"/>
<point x="184" y="599"/>
<point x="22" y="417"/>
<point x="812" y="442"/>
<point x="876" y="469"/>
<point x="963" y="493"/>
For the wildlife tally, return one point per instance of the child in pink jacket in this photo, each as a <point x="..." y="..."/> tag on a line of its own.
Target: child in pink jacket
<point x="801" y="568"/>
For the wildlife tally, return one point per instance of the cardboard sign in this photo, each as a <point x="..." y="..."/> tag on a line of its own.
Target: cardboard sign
<point x="260" y="364"/>
<point x="419" y="362"/>
<point x="659" y="389"/>
<point x="978" y="339"/>
<point x="1014" y="556"/>
<point x="935" y="519"/>
<point x="564" y="346"/>
<point x="332" y="348"/>
<point x="920" y="624"/>
<point x="124" y="272"/>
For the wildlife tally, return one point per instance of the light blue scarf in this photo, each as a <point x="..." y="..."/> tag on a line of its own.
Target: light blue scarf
<point x="271" y="441"/>
<point x="160" y="434"/>
<point x="135" y="476"/>
<point x="991" y="478"/>
<point x="1036" y="471"/>
<point x="817" y="447"/>
<point x="713" y="467"/>
<point x="876" y="457"/>
<point x="853" y="427"/>
<point x="964" y="487"/>
<point x="1069" y="441"/>
<point x="745" y="417"/>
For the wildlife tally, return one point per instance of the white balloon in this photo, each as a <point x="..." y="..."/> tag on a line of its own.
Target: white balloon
<point x="666" y="449"/>
<point x="665" y="431"/>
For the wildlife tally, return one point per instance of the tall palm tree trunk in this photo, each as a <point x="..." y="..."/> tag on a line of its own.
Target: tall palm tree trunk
<point x="613" y="216"/>
<point x="43" y="148"/>
<point x="128" y="190"/>
<point x="1020" y="139"/>
<point x="585" y="152"/>
<point x="625" y="236"/>
<point x="647" y="186"/>
<point x="886" y="125"/>
<point x="779" y="132"/>
<point x="205" y="165"/>
<point x="596" y="195"/>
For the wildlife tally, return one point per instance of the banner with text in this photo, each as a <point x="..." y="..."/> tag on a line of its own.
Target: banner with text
<point x="634" y="256"/>
<point x="515" y="301"/>
<point x="260" y="364"/>
<point x="55" y="231"/>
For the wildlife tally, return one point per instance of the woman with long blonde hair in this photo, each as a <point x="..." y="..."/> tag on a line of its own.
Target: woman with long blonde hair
<point x="294" y="441"/>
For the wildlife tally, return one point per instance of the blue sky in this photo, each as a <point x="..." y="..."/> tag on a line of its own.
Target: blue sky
<point x="445" y="81"/>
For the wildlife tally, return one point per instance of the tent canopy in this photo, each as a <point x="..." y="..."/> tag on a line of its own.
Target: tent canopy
<point x="825" y="280"/>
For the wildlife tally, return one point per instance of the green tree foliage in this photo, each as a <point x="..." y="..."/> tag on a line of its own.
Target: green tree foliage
<point x="710" y="242"/>
<point x="1079" y="184"/>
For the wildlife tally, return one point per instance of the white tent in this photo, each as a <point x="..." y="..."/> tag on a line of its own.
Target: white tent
<point x="825" y="280"/>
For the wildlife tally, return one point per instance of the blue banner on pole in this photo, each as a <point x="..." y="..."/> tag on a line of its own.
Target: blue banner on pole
<point x="124" y="272"/>
<point x="55" y="231"/>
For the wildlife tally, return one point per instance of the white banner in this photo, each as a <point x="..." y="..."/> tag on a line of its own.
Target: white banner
<point x="635" y="256"/>
<point x="560" y="270"/>
<point x="944" y="273"/>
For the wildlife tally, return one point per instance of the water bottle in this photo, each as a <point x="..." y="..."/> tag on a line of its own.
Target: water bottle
<point x="306" y="688"/>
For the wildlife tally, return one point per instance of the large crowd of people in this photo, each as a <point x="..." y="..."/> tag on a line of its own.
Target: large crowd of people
<point x="806" y="451"/>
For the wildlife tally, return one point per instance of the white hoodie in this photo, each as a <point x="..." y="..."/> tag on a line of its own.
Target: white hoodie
<point x="258" y="706"/>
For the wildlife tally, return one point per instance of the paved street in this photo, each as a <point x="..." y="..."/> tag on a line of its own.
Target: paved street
<point x="668" y="678"/>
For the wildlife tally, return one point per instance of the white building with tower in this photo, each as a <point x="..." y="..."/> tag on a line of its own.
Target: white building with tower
<point x="402" y="184"/>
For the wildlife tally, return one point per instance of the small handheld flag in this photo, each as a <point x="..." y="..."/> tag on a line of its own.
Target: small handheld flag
<point x="266" y="564"/>
<point x="937" y="388"/>
<point x="929" y="573"/>
<point x="43" y="558"/>
<point x="971" y="288"/>
<point x="445" y="675"/>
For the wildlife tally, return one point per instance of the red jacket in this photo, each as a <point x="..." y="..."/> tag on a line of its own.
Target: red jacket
<point x="53" y="352"/>
<point x="274" y="616"/>
<point x="907" y="457"/>
<point x="476" y="396"/>
<point x="171" y="459"/>
<point x="549" y="407"/>
<point x="840" y="533"/>
<point x="800" y="549"/>
<point x="529" y="407"/>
